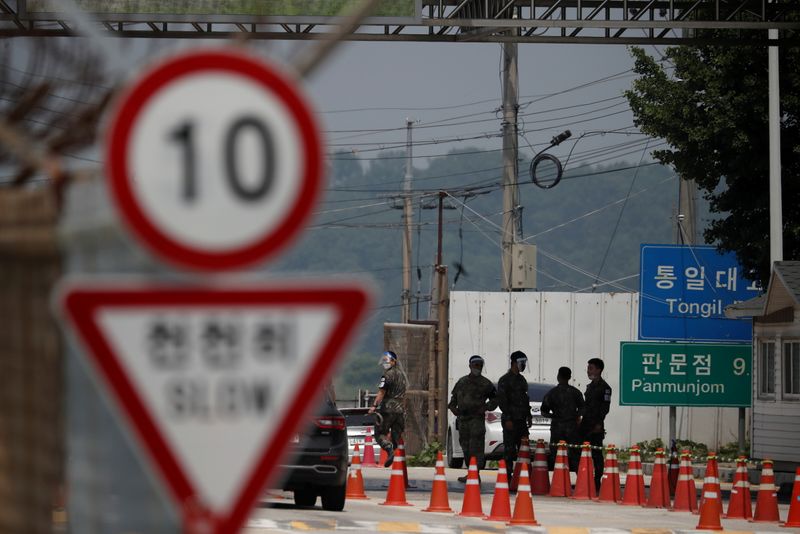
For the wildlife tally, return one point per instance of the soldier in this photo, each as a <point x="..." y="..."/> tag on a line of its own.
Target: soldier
<point x="389" y="402"/>
<point x="563" y="406"/>
<point x="512" y="396"/>
<point x="472" y="396"/>
<point x="598" y="403"/>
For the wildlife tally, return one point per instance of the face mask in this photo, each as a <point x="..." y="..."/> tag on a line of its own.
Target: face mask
<point x="522" y="364"/>
<point x="386" y="365"/>
<point x="475" y="372"/>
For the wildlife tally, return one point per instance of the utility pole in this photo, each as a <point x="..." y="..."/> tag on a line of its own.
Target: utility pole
<point x="408" y="216"/>
<point x="685" y="225"/>
<point x="775" y="195"/>
<point x="510" y="187"/>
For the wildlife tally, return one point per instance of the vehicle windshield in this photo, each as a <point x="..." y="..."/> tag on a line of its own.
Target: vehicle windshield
<point x="536" y="392"/>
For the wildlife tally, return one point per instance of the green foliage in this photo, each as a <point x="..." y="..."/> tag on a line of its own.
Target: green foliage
<point x="358" y="371"/>
<point x="710" y="103"/>
<point x="647" y="449"/>
<point x="731" y="450"/>
<point x="695" y="448"/>
<point x="426" y="457"/>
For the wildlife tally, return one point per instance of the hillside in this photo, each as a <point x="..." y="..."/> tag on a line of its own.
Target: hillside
<point x="588" y="230"/>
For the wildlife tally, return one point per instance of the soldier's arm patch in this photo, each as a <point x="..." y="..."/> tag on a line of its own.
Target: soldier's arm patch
<point x="382" y="383"/>
<point x="607" y="396"/>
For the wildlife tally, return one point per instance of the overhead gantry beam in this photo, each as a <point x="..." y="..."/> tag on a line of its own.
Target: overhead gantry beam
<point x="522" y="21"/>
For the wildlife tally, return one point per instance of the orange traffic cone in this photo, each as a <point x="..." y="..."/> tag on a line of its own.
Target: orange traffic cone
<point x="523" y="505"/>
<point x="710" y="505"/>
<point x="471" y="507"/>
<point x="713" y="468"/>
<point x="609" y="487"/>
<point x="541" y="478"/>
<point x="634" y="480"/>
<point x="369" y="450"/>
<point x="674" y="469"/>
<point x="793" y="519"/>
<point x="560" y="486"/>
<point x="740" y="505"/>
<point x="501" y="503"/>
<point x="767" y="500"/>
<point x="584" y="485"/>
<point x="659" y="485"/>
<point x="401" y="449"/>
<point x="524" y="457"/>
<point x="355" y="482"/>
<point x="396" y="496"/>
<point x="685" y="491"/>
<point x="439" y="499"/>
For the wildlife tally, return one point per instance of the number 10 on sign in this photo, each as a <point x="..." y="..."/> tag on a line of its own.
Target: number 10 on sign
<point x="214" y="159"/>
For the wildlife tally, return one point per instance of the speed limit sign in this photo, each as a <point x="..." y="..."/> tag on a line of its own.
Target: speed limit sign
<point x="214" y="159"/>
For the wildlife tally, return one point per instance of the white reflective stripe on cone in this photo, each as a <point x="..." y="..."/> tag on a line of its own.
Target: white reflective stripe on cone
<point x="539" y="463"/>
<point x="473" y="467"/>
<point x="710" y="480"/>
<point x="767" y="473"/>
<point x="439" y="464"/>
<point x="710" y="495"/>
<point x="439" y="477"/>
<point x="501" y="485"/>
<point x="634" y="471"/>
<point x="524" y="488"/>
<point x="472" y="482"/>
<point x="611" y="470"/>
<point x="683" y="478"/>
<point x="397" y="472"/>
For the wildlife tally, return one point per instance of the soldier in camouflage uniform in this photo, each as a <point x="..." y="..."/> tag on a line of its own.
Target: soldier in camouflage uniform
<point x="598" y="403"/>
<point x="472" y="396"/>
<point x="390" y="404"/>
<point x="563" y="406"/>
<point x="512" y="396"/>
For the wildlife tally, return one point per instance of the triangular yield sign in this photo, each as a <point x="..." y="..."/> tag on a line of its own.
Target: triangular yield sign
<point x="214" y="381"/>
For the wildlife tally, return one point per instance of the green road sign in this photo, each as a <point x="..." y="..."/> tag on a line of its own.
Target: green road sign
<point x="684" y="374"/>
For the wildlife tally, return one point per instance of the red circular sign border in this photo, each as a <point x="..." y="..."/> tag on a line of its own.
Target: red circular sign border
<point x="124" y="119"/>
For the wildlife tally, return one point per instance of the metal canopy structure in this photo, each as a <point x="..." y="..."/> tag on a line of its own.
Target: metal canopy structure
<point x="522" y="21"/>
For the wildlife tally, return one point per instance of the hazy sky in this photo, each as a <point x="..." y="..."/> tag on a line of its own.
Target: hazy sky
<point x="453" y="91"/>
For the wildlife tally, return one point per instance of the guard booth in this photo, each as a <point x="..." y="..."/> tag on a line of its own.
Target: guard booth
<point x="776" y="366"/>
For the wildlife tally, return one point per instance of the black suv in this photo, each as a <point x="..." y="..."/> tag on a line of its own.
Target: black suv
<point x="319" y="460"/>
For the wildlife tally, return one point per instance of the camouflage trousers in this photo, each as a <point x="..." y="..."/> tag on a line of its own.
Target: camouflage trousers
<point x="392" y="425"/>
<point x="471" y="437"/>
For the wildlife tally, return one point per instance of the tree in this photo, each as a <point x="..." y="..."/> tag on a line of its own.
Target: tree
<point x="710" y="103"/>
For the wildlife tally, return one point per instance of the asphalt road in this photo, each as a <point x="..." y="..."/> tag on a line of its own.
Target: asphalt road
<point x="277" y="513"/>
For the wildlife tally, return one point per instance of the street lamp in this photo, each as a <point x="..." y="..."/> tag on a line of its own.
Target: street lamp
<point x="541" y="157"/>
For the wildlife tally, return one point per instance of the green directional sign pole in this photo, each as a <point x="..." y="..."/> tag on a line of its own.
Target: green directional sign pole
<point x="685" y="374"/>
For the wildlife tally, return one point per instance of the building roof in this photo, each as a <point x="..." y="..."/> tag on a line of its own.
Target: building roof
<point x="784" y="289"/>
<point x="746" y="308"/>
<point x="789" y="273"/>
